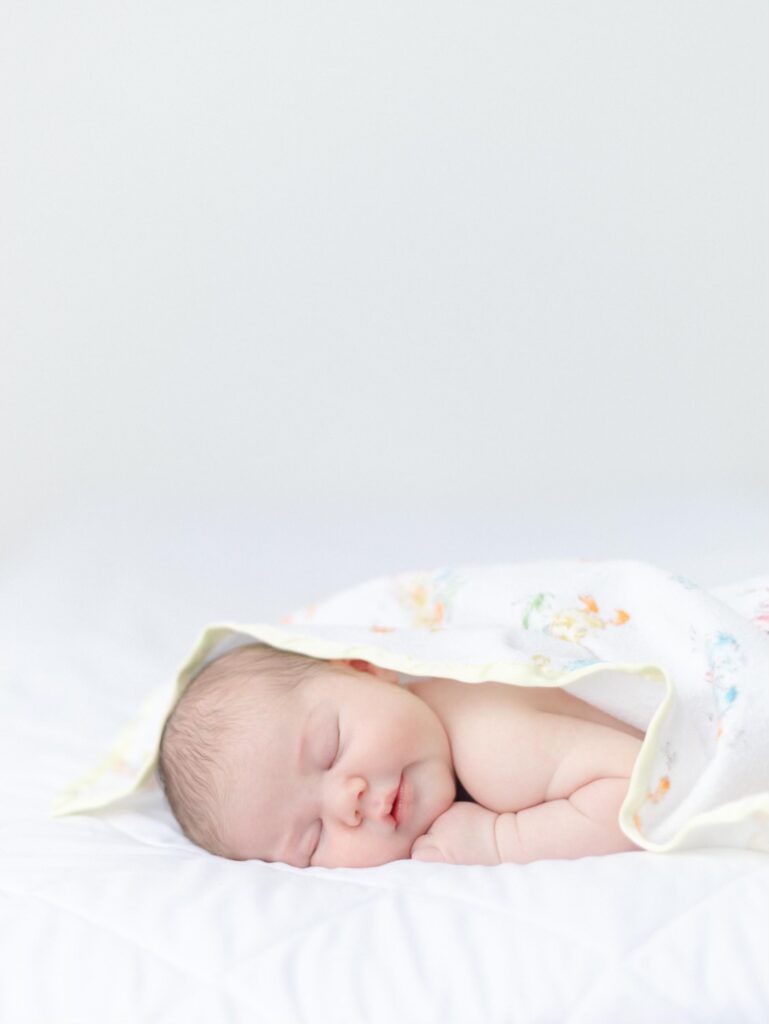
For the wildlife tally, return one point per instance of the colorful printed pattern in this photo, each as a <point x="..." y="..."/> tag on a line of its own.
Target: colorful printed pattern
<point x="573" y="623"/>
<point x="427" y="598"/>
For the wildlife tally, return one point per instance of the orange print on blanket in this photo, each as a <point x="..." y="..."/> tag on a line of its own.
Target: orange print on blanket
<point x="663" y="787"/>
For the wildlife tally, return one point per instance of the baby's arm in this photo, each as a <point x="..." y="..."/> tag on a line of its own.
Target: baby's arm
<point x="546" y="786"/>
<point x="510" y="755"/>
<point x="583" y="825"/>
<point x="586" y="824"/>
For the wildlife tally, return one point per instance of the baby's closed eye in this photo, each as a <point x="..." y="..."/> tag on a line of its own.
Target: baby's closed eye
<point x="331" y="758"/>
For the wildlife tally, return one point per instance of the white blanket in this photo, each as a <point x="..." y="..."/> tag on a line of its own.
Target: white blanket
<point x="689" y="666"/>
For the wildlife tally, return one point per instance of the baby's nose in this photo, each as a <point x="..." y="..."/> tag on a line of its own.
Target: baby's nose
<point x="360" y="802"/>
<point x="350" y="809"/>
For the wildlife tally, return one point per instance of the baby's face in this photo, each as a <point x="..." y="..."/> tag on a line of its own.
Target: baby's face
<point x="315" y="780"/>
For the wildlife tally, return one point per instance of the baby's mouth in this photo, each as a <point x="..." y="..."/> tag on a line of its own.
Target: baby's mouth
<point x="397" y="808"/>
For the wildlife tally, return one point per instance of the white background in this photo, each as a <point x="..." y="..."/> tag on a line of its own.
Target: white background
<point x="381" y="286"/>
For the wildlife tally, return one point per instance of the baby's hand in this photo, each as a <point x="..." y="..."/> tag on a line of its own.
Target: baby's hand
<point x="464" y="834"/>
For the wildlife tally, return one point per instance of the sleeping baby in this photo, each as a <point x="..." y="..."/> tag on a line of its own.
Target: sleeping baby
<point x="277" y="756"/>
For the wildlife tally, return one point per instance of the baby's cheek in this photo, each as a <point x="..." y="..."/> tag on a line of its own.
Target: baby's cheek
<point x="365" y="851"/>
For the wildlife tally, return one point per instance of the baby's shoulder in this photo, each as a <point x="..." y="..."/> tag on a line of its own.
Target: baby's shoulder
<point x="457" y="704"/>
<point x="492" y="728"/>
<point x="514" y="747"/>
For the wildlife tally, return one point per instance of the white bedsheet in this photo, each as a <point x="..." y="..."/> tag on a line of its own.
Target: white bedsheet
<point x="115" y="917"/>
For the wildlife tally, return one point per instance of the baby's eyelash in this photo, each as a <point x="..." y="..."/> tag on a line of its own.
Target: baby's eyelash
<point x="333" y="762"/>
<point x="338" y="745"/>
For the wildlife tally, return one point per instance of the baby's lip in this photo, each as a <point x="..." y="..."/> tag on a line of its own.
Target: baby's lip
<point x="397" y="813"/>
<point x="391" y="797"/>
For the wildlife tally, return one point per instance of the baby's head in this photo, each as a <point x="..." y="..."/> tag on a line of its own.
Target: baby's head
<point x="277" y="756"/>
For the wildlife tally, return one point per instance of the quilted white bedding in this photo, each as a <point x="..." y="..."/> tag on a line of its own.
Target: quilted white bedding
<point x="115" y="917"/>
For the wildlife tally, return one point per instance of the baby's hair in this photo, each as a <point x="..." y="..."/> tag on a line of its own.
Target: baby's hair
<point x="191" y="769"/>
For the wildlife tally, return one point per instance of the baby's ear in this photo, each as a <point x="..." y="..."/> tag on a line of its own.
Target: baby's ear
<point x="387" y="674"/>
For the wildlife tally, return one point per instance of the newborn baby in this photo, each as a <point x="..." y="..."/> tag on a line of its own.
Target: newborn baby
<point x="276" y="756"/>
